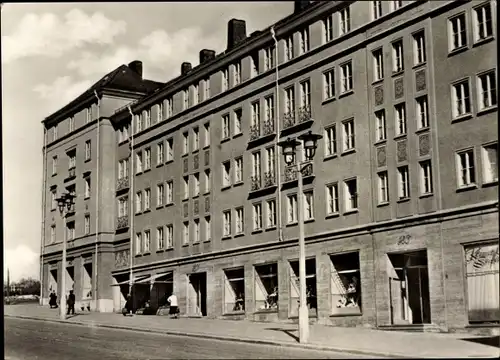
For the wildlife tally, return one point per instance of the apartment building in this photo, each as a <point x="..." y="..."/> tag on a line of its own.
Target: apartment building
<point x="400" y="201"/>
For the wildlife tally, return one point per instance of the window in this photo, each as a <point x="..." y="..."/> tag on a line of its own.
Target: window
<point x="196" y="178"/>
<point x="403" y="182"/>
<point x="185" y="194"/>
<point x="351" y="194"/>
<point x="465" y="168"/>
<point x="422" y="112"/>
<point x="396" y="5"/>
<point x="257" y="216"/>
<point x="196" y="231"/>
<point x="123" y="206"/>
<point x="400" y="112"/>
<point x="383" y="188"/>
<point x="490" y="163"/>
<point x="381" y="128"/>
<point x="234" y="290"/>
<point x="304" y="40"/>
<point x="207" y="134"/>
<point x="311" y="290"/>
<point x="160" y="238"/>
<point x="425" y="177"/>
<point x="196" y="140"/>
<point x="52" y="234"/>
<point x="196" y="93"/>
<point x="185" y="143"/>
<point x="208" y="229"/>
<point x="328" y="28"/>
<point x="207" y="181"/>
<point x="254" y="64"/>
<point x="160" y="194"/>
<point x="345" y="284"/>
<point x="170" y="192"/>
<point x="147" y="118"/>
<point x="53" y="194"/>
<point x="170" y="149"/>
<point x="271" y="160"/>
<point x="238" y="115"/>
<point x="345" y="21"/>
<point x="159" y="153"/>
<point x="147" y="159"/>
<point x="376" y="9"/>
<point x="329" y="84"/>
<point x="138" y="158"/>
<point x="378" y="64"/>
<point x="54" y="132"/>
<point x="419" y="55"/>
<point x="169" y="108"/>
<point x="487" y="90"/>
<point x="170" y="236"/>
<point x="332" y="199"/>
<point x="457" y="32"/>
<point x="159" y="112"/>
<point x="271" y="213"/>
<point x="238" y="170"/>
<point x="256" y="164"/>
<point x="87" y="224"/>
<point x="239" y="220"/>
<point x="207" y="88"/>
<point x="54" y="165"/>
<point x="349" y="135"/>
<point x="269" y="109"/>
<point x="87" y="187"/>
<point x="290" y="101"/>
<point x="147" y="241"/>
<point x="269" y="58"/>
<point x="237" y="73"/>
<point x="226" y="173"/>
<point x="346" y="77"/>
<point x="255" y="113"/>
<point x="88" y="150"/>
<point x="292" y="208"/>
<point x="483" y="25"/>
<point x="123" y="169"/>
<point x="185" y="233"/>
<point x="397" y="56"/>
<point x="72" y="159"/>
<point x="266" y="287"/>
<point x="138" y="123"/>
<point x="289" y="48"/>
<point x="482" y="274"/>
<point x="138" y="243"/>
<point x="308" y="205"/>
<point x="70" y="230"/>
<point x="147" y="199"/>
<point x="88" y="115"/>
<point x="138" y="202"/>
<point x="225" y="127"/>
<point x="226" y="218"/>
<point x="225" y="79"/>
<point x="461" y="99"/>
<point x="185" y="96"/>
<point x="305" y="93"/>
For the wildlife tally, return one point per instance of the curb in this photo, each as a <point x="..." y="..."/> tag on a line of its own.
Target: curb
<point x="218" y="337"/>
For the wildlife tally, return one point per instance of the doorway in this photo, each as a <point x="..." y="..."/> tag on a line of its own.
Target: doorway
<point x="70" y="279"/>
<point x="197" y="294"/>
<point x="409" y="288"/>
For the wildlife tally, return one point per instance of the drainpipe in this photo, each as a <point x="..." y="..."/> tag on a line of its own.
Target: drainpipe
<point x="44" y="196"/>
<point x="131" y="192"/>
<point x="97" y="195"/>
<point x="276" y="151"/>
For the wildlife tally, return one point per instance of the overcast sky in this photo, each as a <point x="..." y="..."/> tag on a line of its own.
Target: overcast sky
<point x="52" y="52"/>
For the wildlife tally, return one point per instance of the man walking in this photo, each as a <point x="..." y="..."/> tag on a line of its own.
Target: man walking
<point x="172" y="300"/>
<point x="71" y="303"/>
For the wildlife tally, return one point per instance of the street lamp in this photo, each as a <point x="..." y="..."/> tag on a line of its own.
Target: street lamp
<point x="310" y="143"/>
<point x="64" y="202"/>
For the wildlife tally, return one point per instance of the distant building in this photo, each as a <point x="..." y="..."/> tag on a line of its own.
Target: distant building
<point x="401" y="200"/>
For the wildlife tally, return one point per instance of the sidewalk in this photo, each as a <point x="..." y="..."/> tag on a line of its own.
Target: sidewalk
<point x="352" y="340"/>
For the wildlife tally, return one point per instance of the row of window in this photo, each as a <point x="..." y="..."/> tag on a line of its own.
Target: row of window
<point x="71" y="124"/>
<point x="71" y="189"/>
<point x="71" y="155"/>
<point x="486" y="94"/>
<point x="70" y="229"/>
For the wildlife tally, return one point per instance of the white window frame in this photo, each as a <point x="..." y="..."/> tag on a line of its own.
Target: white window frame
<point x="487" y="79"/>
<point x="160" y="151"/>
<point x="169" y="108"/>
<point x="208" y="229"/>
<point x="170" y="236"/>
<point x="147" y="118"/>
<point x="147" y="241"/>
<point x="400" y="118"/>
<point x="271" y="213"/>
<point x="196" y="138"/>
<point x="138" y="202"/>
<point x="87" y="224"/>
<point x="206" y="129"/>
<point x="351" y="199"/>
<point x="160" y="237"/>
<point x="196" y="178"/>
<point x="237" y="73"/>
<point x="207" y="88"/>
<point x="345" y="20"/>
<point x="185" y="143"/>
<point x="208" y="183"/>
<point x="305" y="42"/>
<point x="290" y="100"/>
<point x="238" y="116"/>
<point x="482" y="30"/>
<point x="489" y="168"/>
<point x="349" y="135"/>
<point x="457" y="39"/>
<point x="398" y="63"/>
<point x="169" y="192"/>
<point x="288" y="46"/>
<point x="271" y="160"/>
<point x="346" y="80"/>
<point x="425" y="172"/>
<point x="403" y="182"/>
<point x="196" y="93"/>
<point x="381" y="128"/>
<point x="329" y="84"/>
<point x="419" y="50"/>
<point x="255" y="113"/>
<point x="170" y="149"/>
<point x="160" y="194"/>
<point x="226" y="223"/>
<point x="378" y="64"/>
<point x="395" y="5"/>
<point x="52" y="234"/>
<point x="226" y="173"/>
<point x="147" y="158"/>
<point x="147" y="199"/>
<point x="466" y="176"/>
<point x="422" y="112"/>
<point x="328" y="28"/>
<point x="305" y="93"/>
<point x="331" y="140"/>
<point x="308" y="204"/>
<point x="87" y="187"/>
<point x="461" y="98"/>
<point x="269" y="108"/>
<point x="238" y="169"/>
<point x="185" y="233"/>
<point x="269" y="60"/>
<point x="185" y="97"/>
<point x="71" y="125"/>
<point x="54" y="165"/>
<point x="226" y="127"/>
<point x="376" y="9"/>
<point x="239" y="220"/>
<point x="185" y="190"/>
<point x="256" y="164"/>
<point x="383" y="187"/>
<point x="197" y="234"/>
<point x="257" y="216"/>
<point x="291" y="208"/>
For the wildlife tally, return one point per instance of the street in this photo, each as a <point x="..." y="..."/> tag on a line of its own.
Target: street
<point x="34" y="339"/>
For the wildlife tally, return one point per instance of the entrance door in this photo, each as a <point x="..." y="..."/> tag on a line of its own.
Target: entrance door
<point x="197" y="294"/>
<point x="397" y="290"/>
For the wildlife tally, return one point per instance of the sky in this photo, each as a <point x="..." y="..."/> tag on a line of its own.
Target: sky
<point x="52" y="52"/>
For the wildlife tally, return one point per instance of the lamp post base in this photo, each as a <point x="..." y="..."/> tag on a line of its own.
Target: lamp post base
<point x="303" y="324"/>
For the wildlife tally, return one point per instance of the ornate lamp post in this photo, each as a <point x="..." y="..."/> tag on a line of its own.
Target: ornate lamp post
<point x="65" y="202"/>
<point x="289" y="146"/>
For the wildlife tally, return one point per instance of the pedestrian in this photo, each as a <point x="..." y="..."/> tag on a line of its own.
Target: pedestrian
<point x="53" y="300"/>
<point x="174" y="309"/>
<point x="71" y="303"/>
<point x="128" y="306"/>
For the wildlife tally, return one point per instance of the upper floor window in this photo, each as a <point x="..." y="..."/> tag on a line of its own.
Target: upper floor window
<point x="381" y="126"/>
<point x="271" y="213"/>
<point x="207" y="88"/>
<point x="254" y="65"/>
<point x="71" y="124"/>
<point x="207" y="134"/>
<point x="226" y="173"/>
<point x="159" y="111"/>
<point x="88" y="149"/>
<point x="345" y="20"/>
<point x="138" y="161"/>
<point x="87" y="187"/>
<point x="256" y="164"/>
<point x="292" y="208"/>
<point x="138" y="243"/>
<point x="378" y="64"/>
<point x="487" y="90"/>
<point x="289" y="48"/>
<point x="54" y="132"/>
<point x="396" y="5"/>
<point x="397" y="56"/>
<point x="237" y="73"/>
<point x="226" y="130"/>
<point x="170" y="192"/>
<point x="238" y="115"/>
<point x="186" y="98"/>
<point x="400" y="112"/>
<point x="238" y="170"/>
<point x="225" y="79"/>
<point x="465" y="168"/>
<point x="147" y="118"/>
<point x="269" y="58"/>
<point x="328" y="84"/>
<point x="257" y="216"/>
<point x="226" y="218"/>
<point x="123" y="206"/>
<point x="88" y="115"/>
<point x="72" y="159"/>
<point x="185" y="233"/>
<point x="271" y="160"/>
<point x="305" y="93"/>
<point x="170" y="236"/>
<point x="255" y="113"/>
<point x="403" y="182"/>
<point x="160" y="194"/>
<point x="425" y="177"/>
<point x="346" y="77"/>
<point x="419" y="55"/>
<point x="290" y="100"/>
<point x="208" y="184"/>
<point x="328" y="28"/>
<point x="147" y="159"/>
<point x="147" y="199"/>
<point x="483" y="23"/>
<point x="422" y="112"/>
<point x="160" y="238"/>
<point x="169" y="107"/>
<point x="159" y="153"/>
<point x="196" y="93"/>
<point x="196" y="178"/>
<point x="457" y="32"/>
<point x="170" y="149"/>
<point x="70" y="228"/>
<point x="138" y="123"/>
<point x="308" y="205"/>
<point x="332" y="199"/>
<point x="330" y="141"/>
<point x="349" y="135"/>
<point x="54" y="165"/>
<point x="351" y="194"/>
<point x="376" y="9"/>
<point x="304" y="40"/>
<point x="383" y="187"/>
<point x="269" y="108"/>
<point x="490" y="163"/>
<point x="461" y="98"/>
<point x="196" y="138"/>
<point x="185" y="194"/>
<point x="240" y="223"/>
<point x="138" y="202"/>
<point x="185" y="143"/>
<point x="123" y="169"/>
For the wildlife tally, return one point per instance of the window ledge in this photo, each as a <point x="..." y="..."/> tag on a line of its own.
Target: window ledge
<point x="146" y="211"/>
<point x="349" y="212"/>
<point x="397" y="73"/>
<point x="86" y="198"/>
<point x="467" y="188"/>
<point x="54" y="174"/>
<point x="419" y="65"/>
<point x="399" y="201"/>
<point x="383" y="204"/>
<point x="346" y="93"/>
<point x="195" y="151"/>
<point x="461" y="118"/>
<point x="160" y="251"/>
<point x="138" y="173"/>
<point x="185" y="154"/>
<point x="138" y="213"/>
<point x="237" y="135"/>
<point x="422" y="130"/>
<point x="487" y="110"/>
<point x="169" y="204"/>
<point x="147" y="170"/>
<point x="458" y="50"/>
<point x="423" y="196"/>
<point x="171" y="248"/>
<point x="344" y="315"/>
<point x="380" y="142"/>
<point x="225" y="140"/>
<point x="377" y="82"/>
<point x="483" y="41"/>
<point x="138" y="255"/>
<point x="349" y="151"/>
<point x="185" y="245"/>
<point x="234" y="313"/>
<point x="271" y="228"/>
<point x="226" y="187"/>
<point x="159" y="165"/>
<point x="52" y="209"/>
<point x="490" y="183"/>
<point x="257" y="231"/>
<point x="206" y="192"/>
<point x="333" y="215"/>
<point x="206" y="147"/>
<point x="169" y="161"/>
<point x="207" y="240"/>
<point x="400" y="136"/>
<point x="159" y="207"/>
<point x="329" y="100"/>
<point x="329" y="157"/>
<point x="196" y="196"/>
<point x="239" y="235"/>
<point x="308" y="221"/>
<point x="266" y="311"/>
<point x="87" y="160"/>
<point x="226" y="237"/>
<point x="239" y="183"/>
<point x="185" y="199"/>
<point x="196" y="242"/>
<point x="147" y="253"/>
<point x="292" y="224"/>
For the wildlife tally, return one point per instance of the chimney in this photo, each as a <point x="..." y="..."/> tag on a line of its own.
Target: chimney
<point x="206" y="55"/>
<point x="236" y="32"/>
<point x="185" y="68"/>
<point x="136" y="66"/>
<point x="300" y="5"/>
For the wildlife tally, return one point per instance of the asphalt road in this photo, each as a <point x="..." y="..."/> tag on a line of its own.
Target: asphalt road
<point x="37" y="340"/>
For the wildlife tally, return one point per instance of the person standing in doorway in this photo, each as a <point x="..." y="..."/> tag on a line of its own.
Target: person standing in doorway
<point x="71" y="303"/>
<point x="174" y="309"/>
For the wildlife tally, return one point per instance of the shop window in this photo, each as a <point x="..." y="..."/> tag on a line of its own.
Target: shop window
<point x="87" y="281"/>
<point x="234" y="290"/>
<point x="345" y="285"/>
<point x="266" y="287"/>
<point x="312" y="303"/>
<point x="483" y="288"/>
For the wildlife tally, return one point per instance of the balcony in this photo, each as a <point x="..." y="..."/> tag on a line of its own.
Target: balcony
<point x="288" y="120"/>
<point x="269" y="127"/>
<point x="292" y="124"/>
<point x="255" y="183"/>
<point x="122" y="184"/>
<point x="269" y="179"/>
<point x="257" y="137"/>
<point x="290" y="175"/>
<point x="254" y="132"/>
<point x="71" y="174"/>
<point x="122" y="222"/>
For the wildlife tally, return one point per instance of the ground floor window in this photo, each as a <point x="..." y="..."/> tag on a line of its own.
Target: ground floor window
<point x="345" y="286"/>
<point x="482" y="272"/>
<point x="234" y="290"/>
<point x="266" y="287"/>
<point x="310" y="287"/>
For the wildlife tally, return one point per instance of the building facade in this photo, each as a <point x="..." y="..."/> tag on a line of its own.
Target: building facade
<point x="400" y="201"/>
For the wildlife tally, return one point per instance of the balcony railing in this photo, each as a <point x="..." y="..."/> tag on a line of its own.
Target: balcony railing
<point x="269" y="127"/>
<point x="288" y="120"/>
<point x="254" y="132"/>
<point x="122" y="183"/>
<point x="290" y="173"/>
<point x="269" y="179"/>
<point x="122" y="222"/>
<point x="304" y="113"/>
<point x="256" y="183"/>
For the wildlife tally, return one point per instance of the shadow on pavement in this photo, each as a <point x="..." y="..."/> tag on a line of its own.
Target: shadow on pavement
<point x="289" y="332"/>
<point x="76" y="315"/>
<point x="488" y="340"/>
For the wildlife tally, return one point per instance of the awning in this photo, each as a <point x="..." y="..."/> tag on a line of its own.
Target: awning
<point x="152" y="278"/>
<point x="135" y="280"/>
